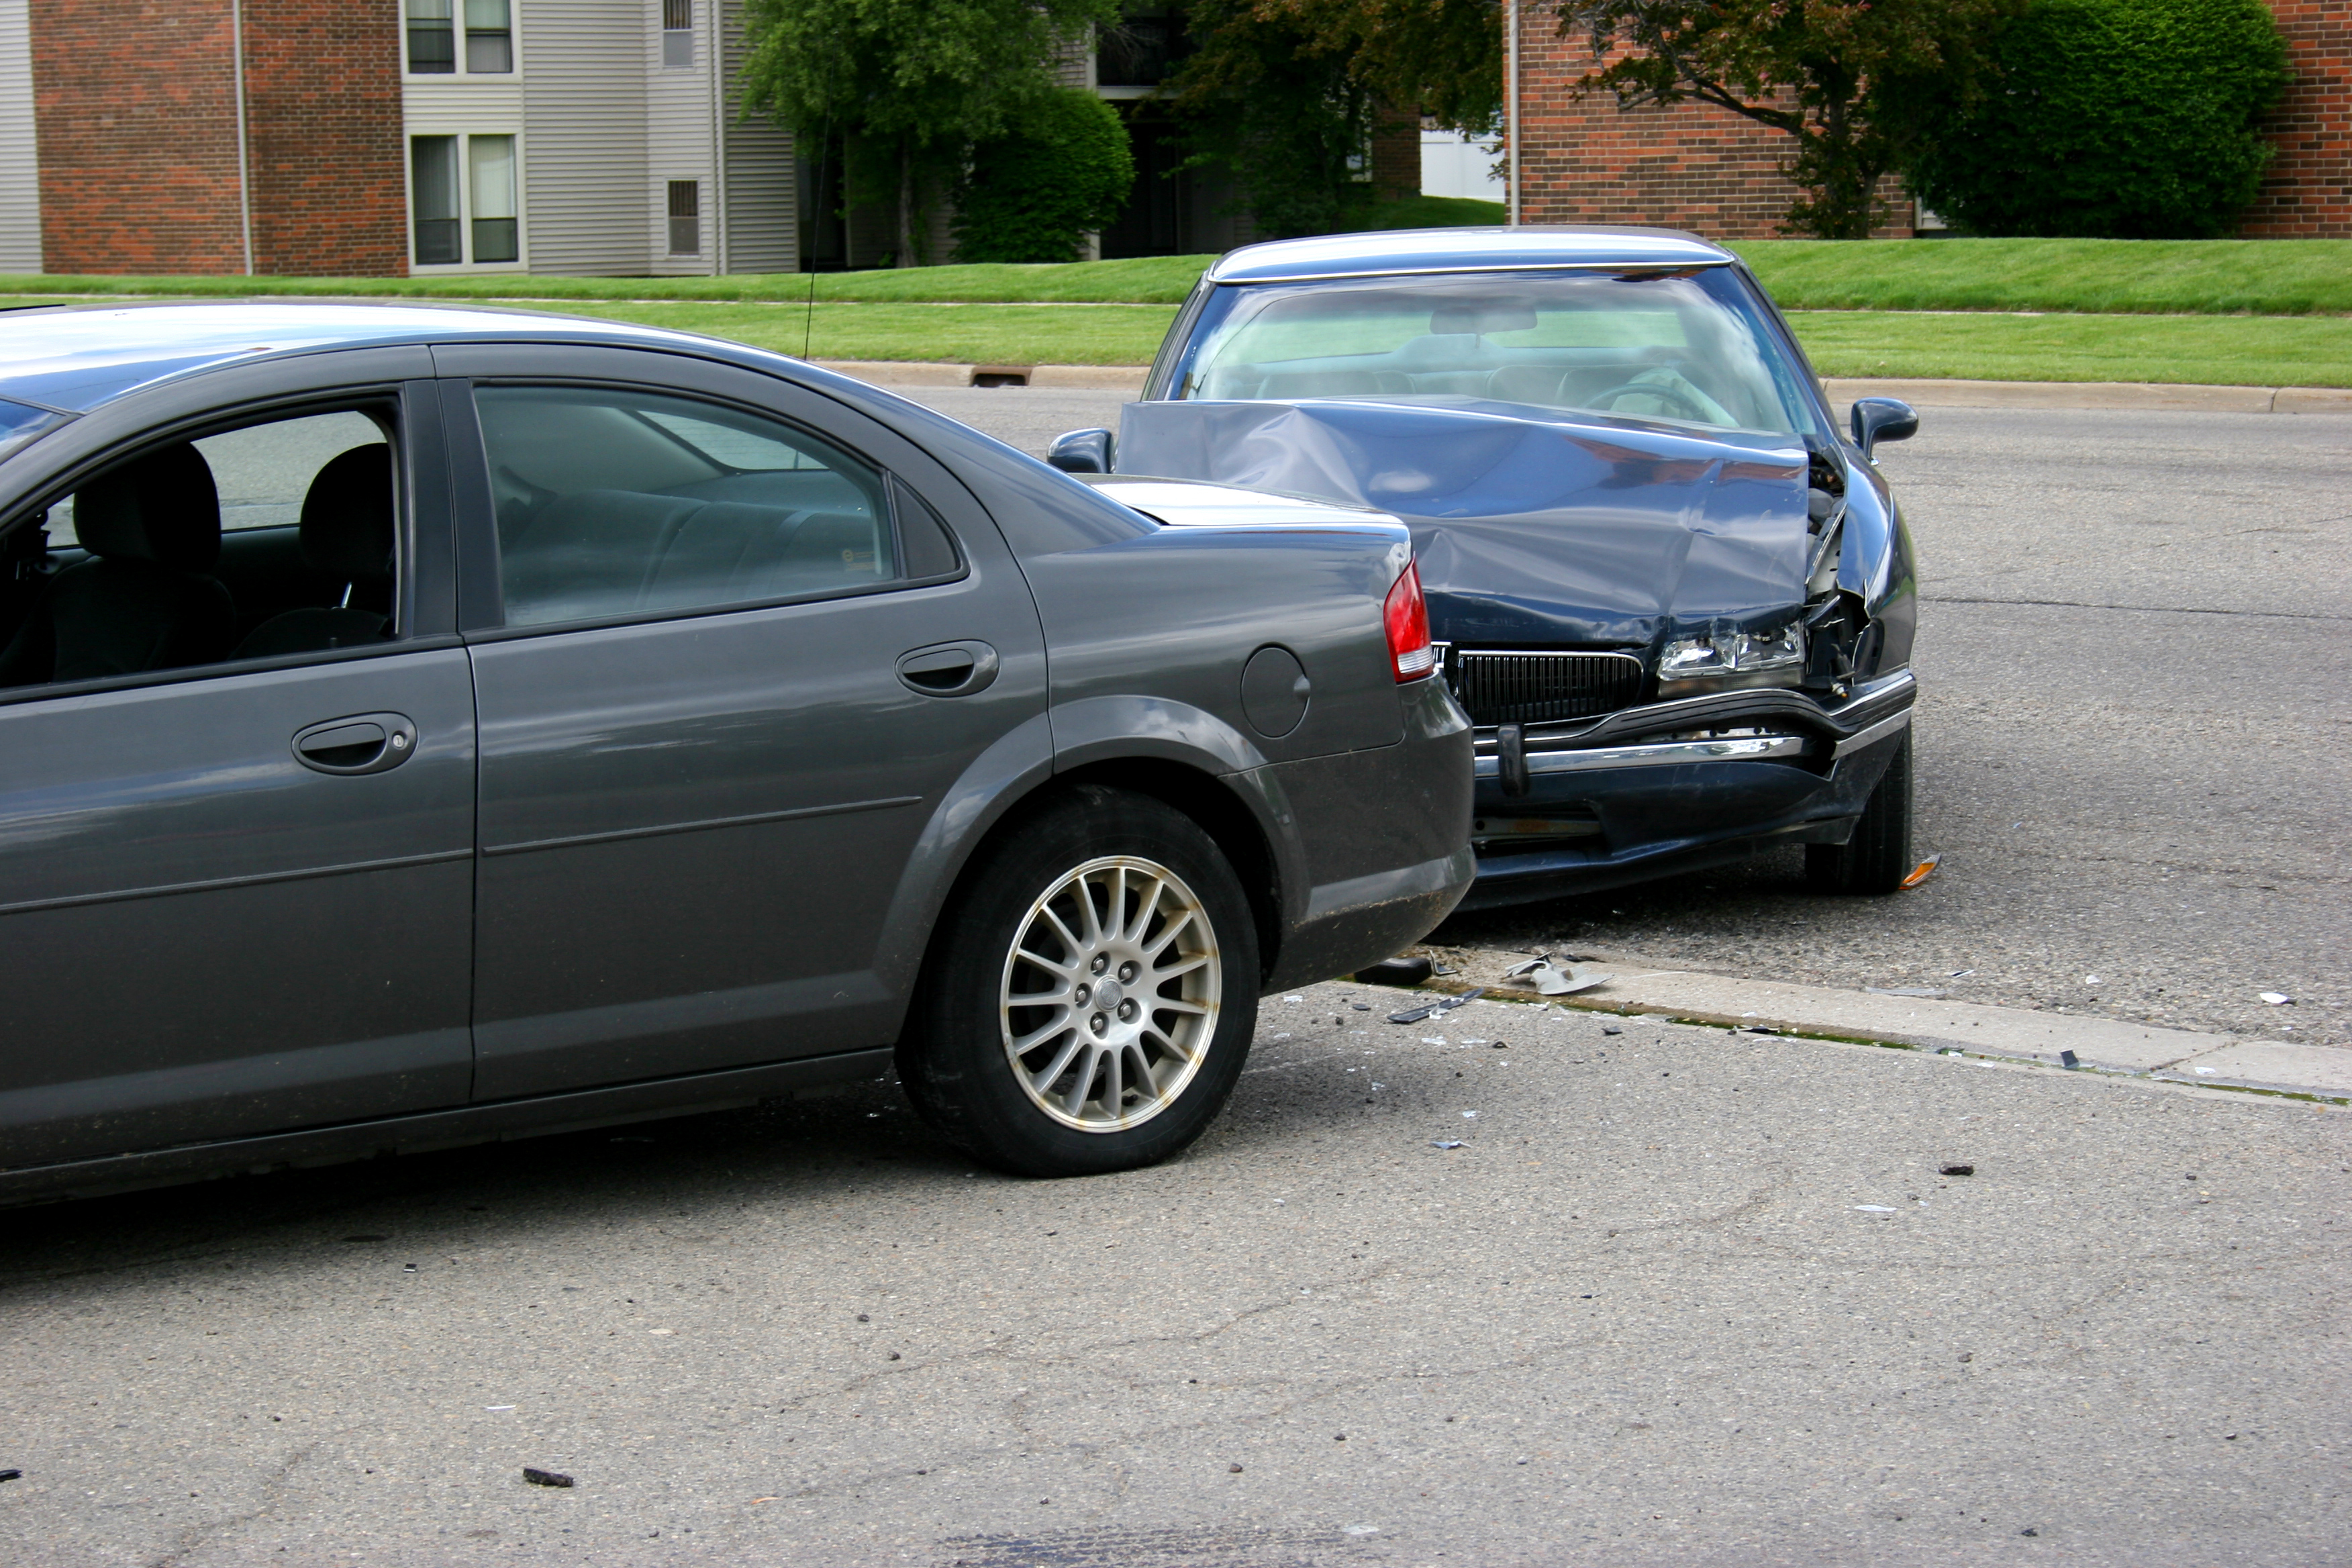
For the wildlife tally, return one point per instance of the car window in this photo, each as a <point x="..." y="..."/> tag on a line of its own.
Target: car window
<point x="616" y="502"/>
<point x="269" y="538"/>
<point x="1688" y="346"/>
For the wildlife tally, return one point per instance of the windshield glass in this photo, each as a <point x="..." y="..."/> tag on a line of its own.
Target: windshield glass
<point x="1686" y="347"/>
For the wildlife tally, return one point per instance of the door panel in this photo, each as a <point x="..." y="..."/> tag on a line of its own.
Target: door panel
<point x="201" y="938"/>
<point x="692" y="827"/>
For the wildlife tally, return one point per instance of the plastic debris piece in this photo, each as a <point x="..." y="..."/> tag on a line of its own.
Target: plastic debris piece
<point x="1960" y="974"/>
<point x="1873" y="1208"/>
<point x="1924" y="869"/>
<point x="1758" y="1030"/>
<point x="2207" y="1071"/>
<point x="1395" y="971"/>
<point x="2069" y="1060"/>
<point x="1956" y="1170"/>
<point x="1469" y="1116"/>
<point x="1232" y="1470"/>
<point x="1610" y="1029"/>
<point x="1432" y="1039"/>
<point x="1464" y="1000"/>
<point x="1441" y="969"/>
<point x="539" y="1478"/>
<point x="1448" y="1143"/>
<point x="1361" y="1007"/>
<point x="11" y="1475"/>
<point x="1902" y="991"/>
<point x="1412" y="1014"/>
<point x="2090" y="980"/>
<point x="498" y="1407"/>
<point x="2275" y="998"/>
<point x="1284" y="1036"/>
<point x="1502" y="1045"/>
<point x="1294" y="998"/>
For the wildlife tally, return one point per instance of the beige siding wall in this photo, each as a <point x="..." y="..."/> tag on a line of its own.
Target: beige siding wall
<point x="585" y="154"/>
<point x="679" y="141"/>
<point x="761" y="196"/>
<point x="20" y="174"/>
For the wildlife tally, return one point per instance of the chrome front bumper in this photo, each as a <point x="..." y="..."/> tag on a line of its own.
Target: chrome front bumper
<point x="1794" y="726"/>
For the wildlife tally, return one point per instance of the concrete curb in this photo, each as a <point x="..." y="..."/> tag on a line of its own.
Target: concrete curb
<point x="2079" y="394"/>
<point x="1933" y="1023"/>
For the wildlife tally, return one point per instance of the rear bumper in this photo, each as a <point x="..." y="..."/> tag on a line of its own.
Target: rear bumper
<point x="1384" y="837"/>
<point x="1653" y="791"/>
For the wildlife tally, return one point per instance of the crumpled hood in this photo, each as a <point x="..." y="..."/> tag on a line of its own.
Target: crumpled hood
<point x="1530" y="524"/>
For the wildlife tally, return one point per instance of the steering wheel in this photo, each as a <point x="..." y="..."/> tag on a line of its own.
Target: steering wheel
<point x="1672" y="395"/>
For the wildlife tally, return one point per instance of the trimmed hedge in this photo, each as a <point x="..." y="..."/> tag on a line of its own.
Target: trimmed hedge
<point x="2113" y="119"/>
<point x="1034" y="195"/>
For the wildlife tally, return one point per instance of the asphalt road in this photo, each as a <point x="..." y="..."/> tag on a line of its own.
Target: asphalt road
<point x="2133" y="650"/>
<point x="1681" y="1297"/>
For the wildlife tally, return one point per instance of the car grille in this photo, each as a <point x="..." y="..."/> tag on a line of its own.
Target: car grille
<point x="1497" y="686"/>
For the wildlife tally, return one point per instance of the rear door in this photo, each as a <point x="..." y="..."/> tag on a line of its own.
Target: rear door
<point x="236" y="897"/>
<point x="732" y="644"/>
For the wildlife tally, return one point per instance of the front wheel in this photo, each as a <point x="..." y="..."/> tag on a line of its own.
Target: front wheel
<point x="1092" y="995"/>
<point x="1878" y="857"/>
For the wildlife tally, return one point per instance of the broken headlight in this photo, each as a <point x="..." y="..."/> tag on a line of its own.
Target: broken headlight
<point x="1729" y="660"/>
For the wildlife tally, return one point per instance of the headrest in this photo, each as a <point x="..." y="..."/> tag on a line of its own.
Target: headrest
<point x="163" y="508"/>
<point x="347" y="516"/>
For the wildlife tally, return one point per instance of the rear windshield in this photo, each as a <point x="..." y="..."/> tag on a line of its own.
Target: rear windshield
<point x="1687" y="347"/>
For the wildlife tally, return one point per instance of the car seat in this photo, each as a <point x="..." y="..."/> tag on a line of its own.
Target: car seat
<point x="346" y="535"/>
<point x="142" y="600"/>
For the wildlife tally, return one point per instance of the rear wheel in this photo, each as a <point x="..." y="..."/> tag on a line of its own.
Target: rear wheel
<point x="1878" y="857"/>
<point x="1092" y="995"/>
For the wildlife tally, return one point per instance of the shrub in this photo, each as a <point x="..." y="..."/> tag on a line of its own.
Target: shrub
<point x="1034" y="195"/>
<point x="2112" y="119"/>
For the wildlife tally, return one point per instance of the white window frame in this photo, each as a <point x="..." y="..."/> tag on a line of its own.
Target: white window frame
<point x="521" y="263"/>
<point x="457" y="37"/>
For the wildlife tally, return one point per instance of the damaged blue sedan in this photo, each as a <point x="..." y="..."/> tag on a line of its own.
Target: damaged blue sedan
<point x="1676" y="599"/>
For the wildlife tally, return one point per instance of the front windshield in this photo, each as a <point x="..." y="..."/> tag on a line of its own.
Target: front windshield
<point x="1686" y="347"/>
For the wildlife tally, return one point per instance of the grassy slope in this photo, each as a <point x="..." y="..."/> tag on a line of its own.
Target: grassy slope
<point x="2270" y="277"/>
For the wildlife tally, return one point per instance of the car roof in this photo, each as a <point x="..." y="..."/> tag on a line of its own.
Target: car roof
<point x="75" y="358"/>
<point x="1393" y="251"/>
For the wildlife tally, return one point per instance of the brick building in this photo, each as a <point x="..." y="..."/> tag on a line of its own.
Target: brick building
<point x="1695" y="167"/>
<point x="382" y="137"/>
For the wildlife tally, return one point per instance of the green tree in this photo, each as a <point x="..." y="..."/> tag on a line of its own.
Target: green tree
<point x="909" y="84"/>
<point x="1854" y="82"/>
<point x="1286" y="94"/>
<point x="2113" y="118"/>
<point x="1036" y="194"/>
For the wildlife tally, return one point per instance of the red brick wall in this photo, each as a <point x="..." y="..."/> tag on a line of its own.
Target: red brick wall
<point x="322" y="95"/>
<point x="1689" y="167"/>
<point x="2308" y="191"/>
<point x="137" y="127"/>
<point x="137" y="134"/>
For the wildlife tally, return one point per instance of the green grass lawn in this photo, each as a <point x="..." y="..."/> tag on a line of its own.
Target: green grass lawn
<point x="2251" y="351"/>
<point x="2265" y="276"/>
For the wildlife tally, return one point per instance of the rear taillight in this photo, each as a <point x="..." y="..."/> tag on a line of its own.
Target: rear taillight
<point x="1406" y="615"/>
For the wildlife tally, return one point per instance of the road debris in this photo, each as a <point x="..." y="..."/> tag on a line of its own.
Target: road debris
<point x="1955" y="1171"/>
<point x="1610" y="1029"/>
<point x="11" y="1475"/>
<point x="2069" y="1060"/>
<point x="1924" y="869"/>
<point x="1902" y="991"/>
<point x="1395" y="971"/>
<point x="2275" y="998"/>
<point x="1412" y="1014"/>
<point x="1875" y="1208"/>
<point x="1447" y="1143"/>
<point x="1464" y="1000"/>
<point x="1544" y="973"/>
<point x="539" y="1478"/>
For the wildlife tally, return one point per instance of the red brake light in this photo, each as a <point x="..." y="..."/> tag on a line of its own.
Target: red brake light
<point x="1406" y="615"/>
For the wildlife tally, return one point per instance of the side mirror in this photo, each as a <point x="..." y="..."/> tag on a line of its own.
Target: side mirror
<point x="1081" y="452"/>
<point x="1877" y="419"/>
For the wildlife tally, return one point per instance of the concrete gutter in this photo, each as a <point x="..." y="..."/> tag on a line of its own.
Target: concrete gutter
<point x="1921" y="393"/>
<point x="1932" y="1024"/>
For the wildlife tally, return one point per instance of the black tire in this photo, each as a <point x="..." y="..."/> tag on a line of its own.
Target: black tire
<point x="1878" y="857"/>
<point x="955" y="1057"/>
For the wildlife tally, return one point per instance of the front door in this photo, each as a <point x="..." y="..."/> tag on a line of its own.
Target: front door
<point x="706" y="752"/>
<point x="235" y="801"/>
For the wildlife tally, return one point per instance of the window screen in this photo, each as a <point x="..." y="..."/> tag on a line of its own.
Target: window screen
<point x="618" y="503"/>
<point x="432" y="39"/>
<point x="433" y="191"/>
<point x="492" y="162"/>
<point x="489" y="37"/>
<point x="686" y="218"/>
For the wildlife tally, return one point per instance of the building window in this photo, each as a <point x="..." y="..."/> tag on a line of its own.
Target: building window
<point x="492" y="162"/>
<point x="677" y="32"/>
<point x="433" y="187"/>
<point x="432" y="39"/>
<point x="489" y="37"/>
<point x="468" y="200"/>
<point x="686" y="218"/>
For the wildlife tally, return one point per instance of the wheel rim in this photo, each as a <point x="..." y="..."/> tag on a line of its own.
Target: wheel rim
<point x="1110" y="994"/>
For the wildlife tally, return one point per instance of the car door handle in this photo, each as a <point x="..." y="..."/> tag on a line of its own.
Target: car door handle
<point x="948" y="668"/>
<point x="362" y="744"/>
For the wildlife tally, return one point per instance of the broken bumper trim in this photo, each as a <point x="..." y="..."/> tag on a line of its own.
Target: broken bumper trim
<point x="1874" y="711"/>
<point x="1670" y="753"/>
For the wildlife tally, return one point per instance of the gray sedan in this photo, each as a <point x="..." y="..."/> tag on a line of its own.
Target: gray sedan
<point x="423" y="725"/>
